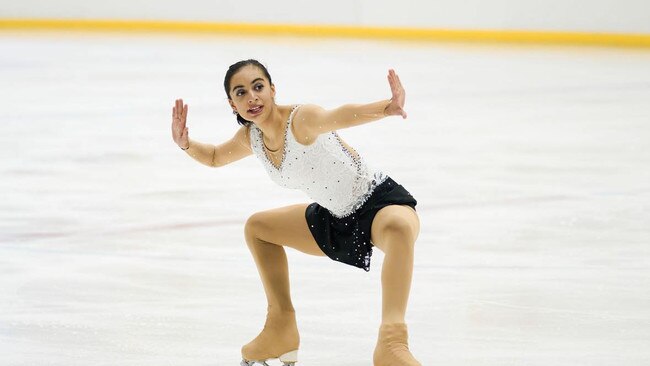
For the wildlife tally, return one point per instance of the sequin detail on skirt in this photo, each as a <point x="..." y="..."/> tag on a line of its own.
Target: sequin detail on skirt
<point x="347" y="239"/>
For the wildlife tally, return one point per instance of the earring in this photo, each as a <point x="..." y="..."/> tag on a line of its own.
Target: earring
<point x="234" y="111"/>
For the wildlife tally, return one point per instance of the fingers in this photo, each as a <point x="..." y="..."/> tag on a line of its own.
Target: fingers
<point x="179" y="112"/>
<point x="184" y="116"/>
<point x="399" y="83"/>
<point x="393" y="87"/>
<point x="174" y="121"/>
<point x="180" y="132"/>
<point x="179" y="106"/>
<point x="394" y="81"/>
<point x="398" y="93"/>
<point x="179" y="116"/>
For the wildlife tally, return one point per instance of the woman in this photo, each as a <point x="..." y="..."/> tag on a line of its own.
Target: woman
<point x="355" y="207"/>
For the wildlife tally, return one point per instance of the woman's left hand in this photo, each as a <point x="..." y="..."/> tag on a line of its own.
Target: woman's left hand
<point x="396" y="106"/>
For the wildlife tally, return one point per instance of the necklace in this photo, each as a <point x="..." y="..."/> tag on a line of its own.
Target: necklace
<point x="276" y="150"/>
<point x="267" y="148"/>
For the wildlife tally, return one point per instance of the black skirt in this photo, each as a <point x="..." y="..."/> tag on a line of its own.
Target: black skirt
<point x="347" y="239"/>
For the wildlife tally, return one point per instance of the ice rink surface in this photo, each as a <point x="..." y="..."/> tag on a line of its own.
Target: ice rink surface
<point x="531" y="167"/>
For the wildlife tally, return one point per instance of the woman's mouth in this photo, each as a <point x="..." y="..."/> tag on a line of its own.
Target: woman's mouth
<point x="256" y="111"/>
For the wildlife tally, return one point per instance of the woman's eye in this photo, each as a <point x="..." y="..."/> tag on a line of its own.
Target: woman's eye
<point x="259" y="87"/>
<point x="239" y="93"/>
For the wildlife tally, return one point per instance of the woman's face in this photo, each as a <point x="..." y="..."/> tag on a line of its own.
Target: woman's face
<point x="251" y="95"/>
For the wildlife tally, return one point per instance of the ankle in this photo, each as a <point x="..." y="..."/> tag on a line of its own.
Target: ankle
<point x="392" y="324"/>
<point x="281" y="310"/>
<point x="281" y="317"/>
<point x="393" y="320"/>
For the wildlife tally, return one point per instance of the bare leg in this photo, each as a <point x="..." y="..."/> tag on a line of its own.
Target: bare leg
<point x="396" y="276"/>
<point x="271" y="262"/>
<point x="266" y="232"/>
<point x="394" y="231"/>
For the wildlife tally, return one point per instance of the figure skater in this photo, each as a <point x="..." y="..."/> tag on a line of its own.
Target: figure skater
<point x="355" y="207"/>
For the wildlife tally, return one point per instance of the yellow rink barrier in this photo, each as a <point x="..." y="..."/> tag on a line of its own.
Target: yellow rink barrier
<point x="336" y="31"/>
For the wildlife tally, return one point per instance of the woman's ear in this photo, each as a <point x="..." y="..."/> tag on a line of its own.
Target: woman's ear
<point x="273" y="90"/>
<point x="232" y="105"/>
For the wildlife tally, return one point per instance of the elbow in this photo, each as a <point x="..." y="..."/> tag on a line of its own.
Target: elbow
<point x="213" y="162"/>
<point x="218" y="161"/>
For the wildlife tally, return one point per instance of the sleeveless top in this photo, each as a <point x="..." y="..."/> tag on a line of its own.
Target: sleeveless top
<point x="325" y="170"/>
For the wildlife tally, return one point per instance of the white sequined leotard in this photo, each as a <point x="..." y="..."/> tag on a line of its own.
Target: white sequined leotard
<point x="325" y="170"/>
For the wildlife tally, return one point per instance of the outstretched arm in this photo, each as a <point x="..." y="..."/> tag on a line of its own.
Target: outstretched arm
<point x="232" y="150"/>
<point x="318" y="120"/>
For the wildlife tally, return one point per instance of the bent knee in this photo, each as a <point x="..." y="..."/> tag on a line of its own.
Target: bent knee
<point x="255" y="225"/>
<point x="398" y="226"/>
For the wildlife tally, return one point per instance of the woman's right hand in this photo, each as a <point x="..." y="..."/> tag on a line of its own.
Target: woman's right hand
<point x="179" y="130"/>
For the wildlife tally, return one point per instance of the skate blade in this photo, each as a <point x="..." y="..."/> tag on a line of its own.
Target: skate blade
<point x="287" y="359"/>
<point x="253" y="363"/>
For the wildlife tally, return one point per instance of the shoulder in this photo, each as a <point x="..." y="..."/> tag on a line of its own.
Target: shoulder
<point x="304" y="123"/>
<point x="307" y="117"/>
<point x="243" y="136"/>
<point x="308" y="111"/>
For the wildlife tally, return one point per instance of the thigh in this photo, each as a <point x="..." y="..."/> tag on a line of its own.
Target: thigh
<point x="286" y="226"/>
<point x="396" y="218"/>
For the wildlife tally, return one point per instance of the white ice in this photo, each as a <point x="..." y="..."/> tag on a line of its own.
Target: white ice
<point x="531" y="167"/>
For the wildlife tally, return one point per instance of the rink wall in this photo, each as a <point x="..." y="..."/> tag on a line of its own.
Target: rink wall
<point x="615" y="22"/>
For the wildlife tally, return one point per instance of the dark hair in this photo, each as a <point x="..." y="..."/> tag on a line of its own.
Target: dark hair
<point x="232" y="70"/>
